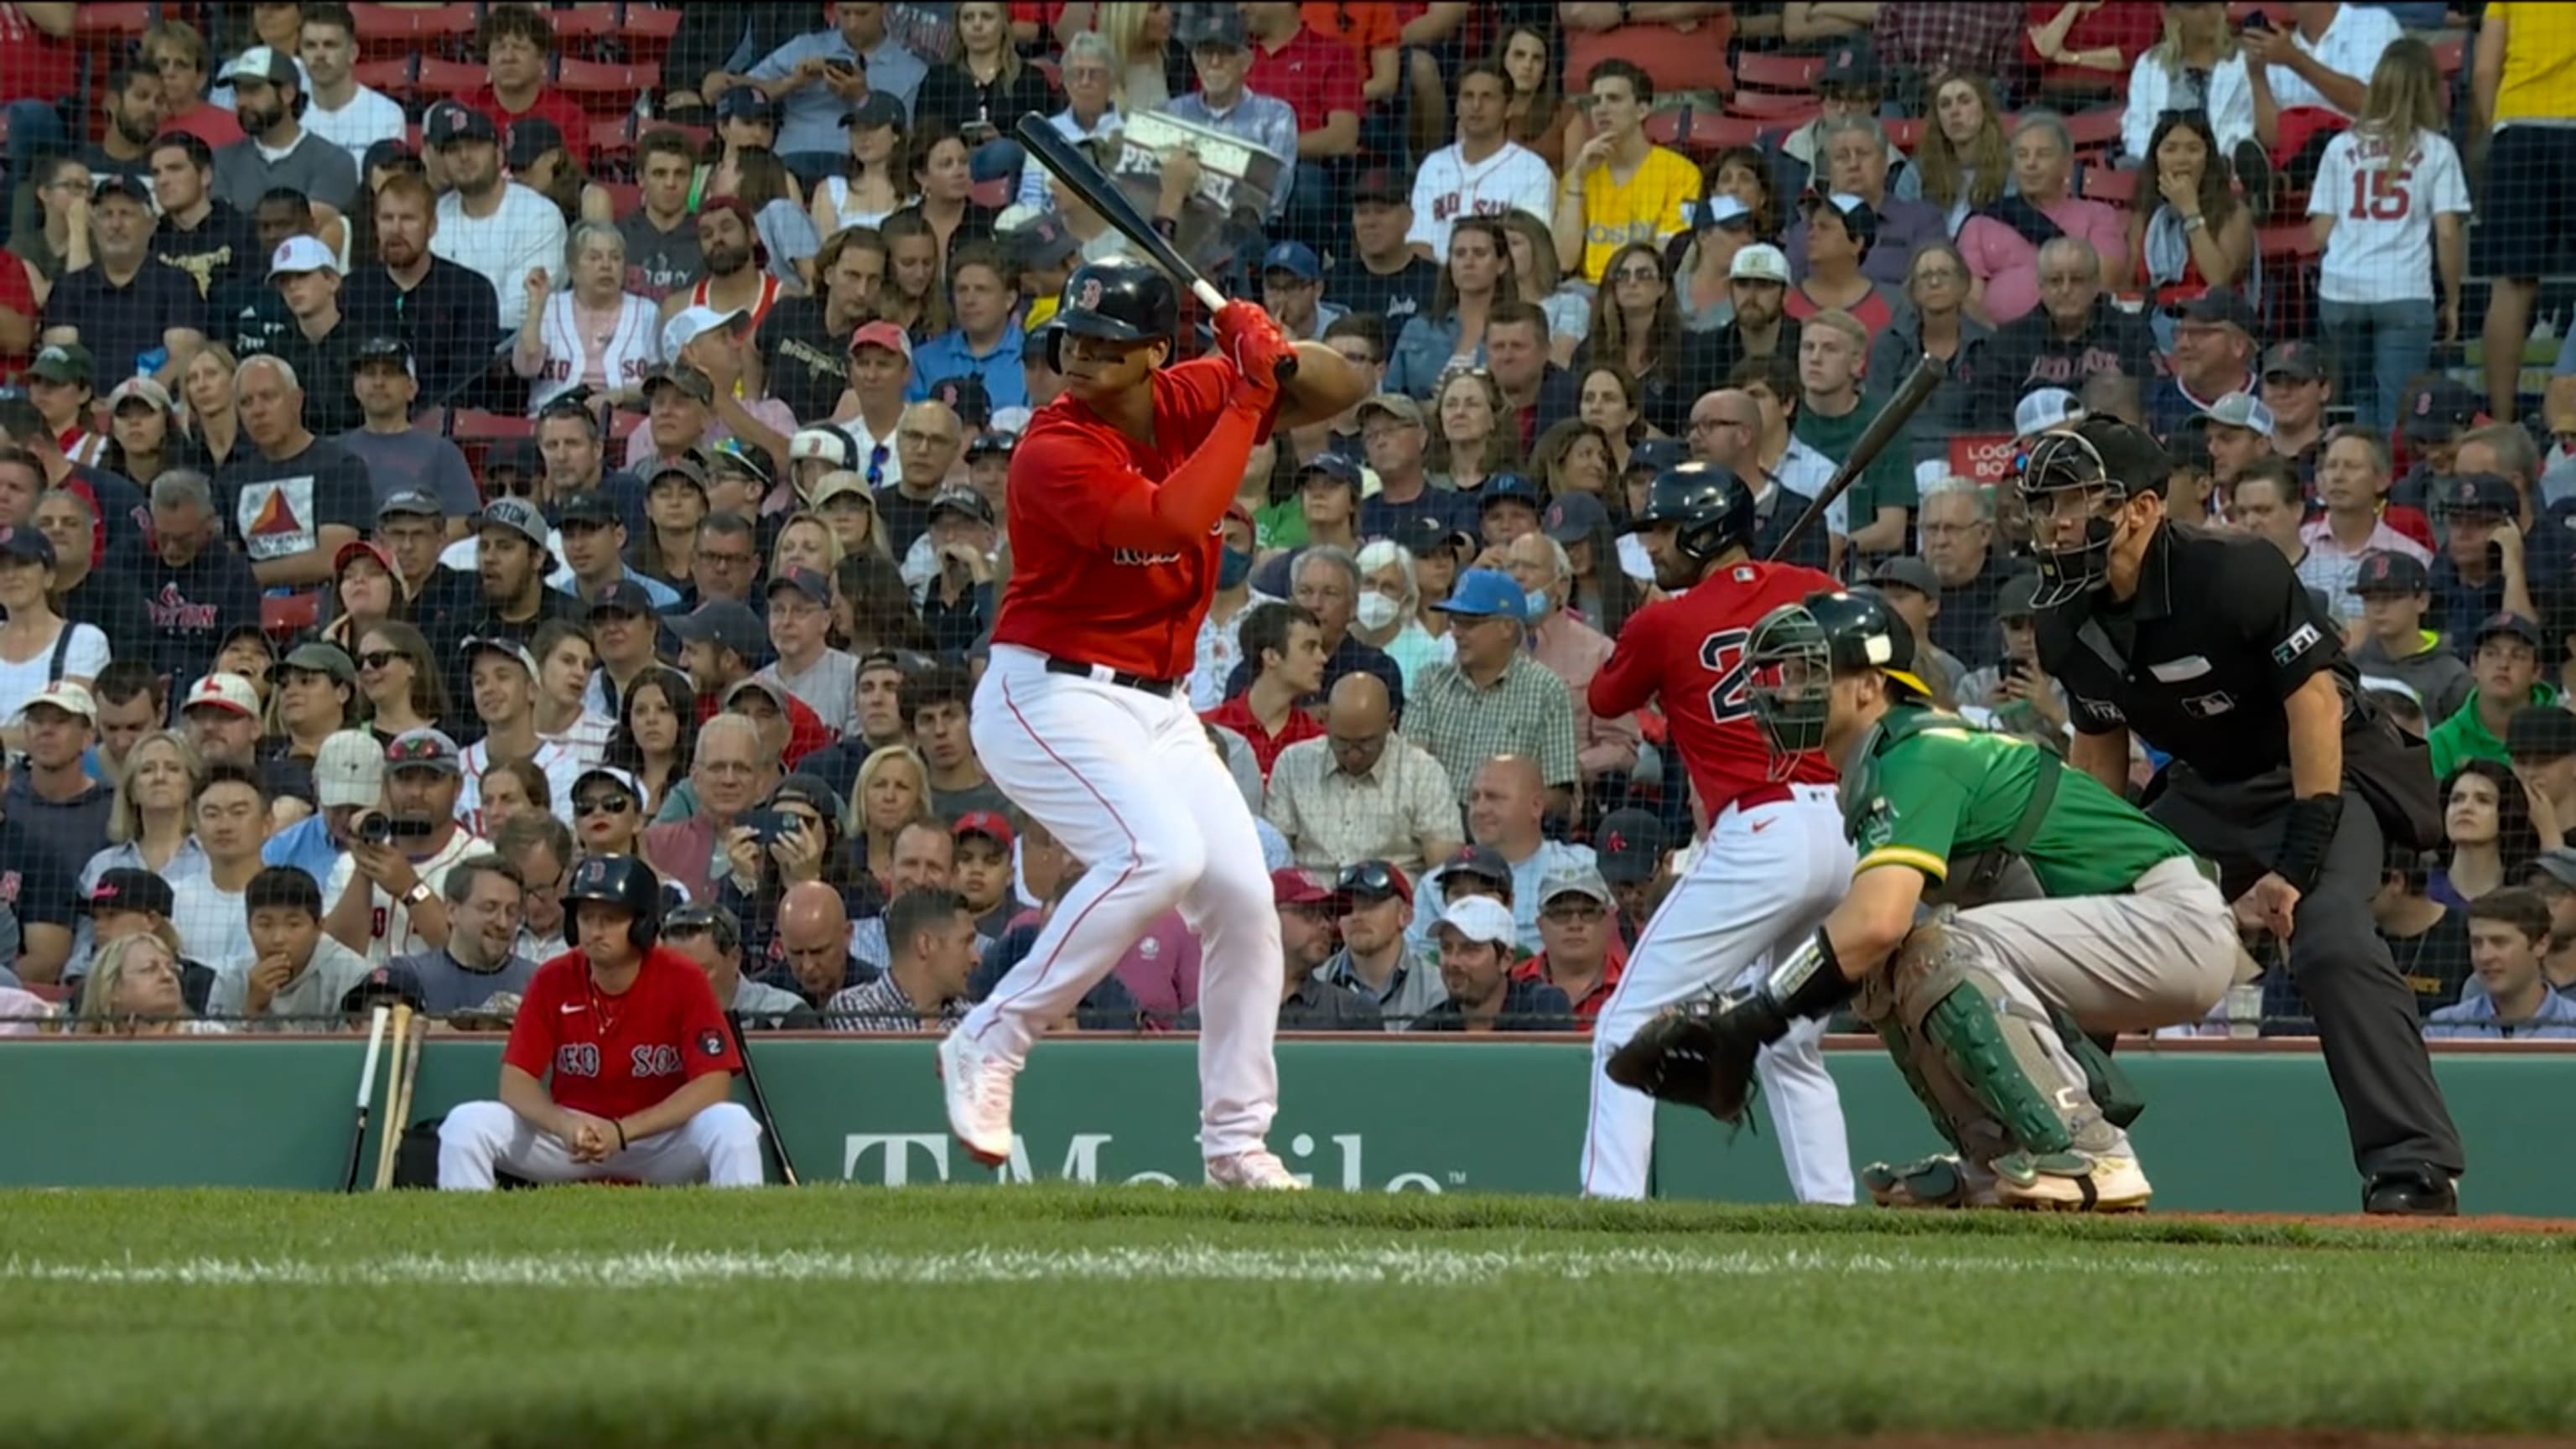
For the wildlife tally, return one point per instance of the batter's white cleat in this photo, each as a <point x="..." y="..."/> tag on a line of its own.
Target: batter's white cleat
<point x="2071" y="1182"/>
<point x="1258" y="1170"/>
<point x="978" y="1090"/>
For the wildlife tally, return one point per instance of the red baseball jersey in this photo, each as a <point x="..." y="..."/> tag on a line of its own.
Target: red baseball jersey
<point x="614" y="1056"/>
<point x="1072" y="595"/>
<point x="1690" y="650"/>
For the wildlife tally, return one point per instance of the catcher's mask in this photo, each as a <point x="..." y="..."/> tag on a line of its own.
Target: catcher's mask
<point x="1789" y="664"/>
<point x="2091" y="469"/>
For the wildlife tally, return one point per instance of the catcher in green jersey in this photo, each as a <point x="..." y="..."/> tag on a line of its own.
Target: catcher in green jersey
<point x="2059" y="911"/>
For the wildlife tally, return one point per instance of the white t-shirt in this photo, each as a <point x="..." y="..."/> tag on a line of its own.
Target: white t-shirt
<point x="525" y="234"/>
<point x="214" y="929"/>
<point x="2381" y="248"/>
<point x="2353" y="42"/>
<point x="83" y="658"/>
<point x="369" y="117"/>
<point x="2153" y="90"/>
<point x="561" y="762"/>
<point x="1447" y="189"/>
<point x="392" y="932"/>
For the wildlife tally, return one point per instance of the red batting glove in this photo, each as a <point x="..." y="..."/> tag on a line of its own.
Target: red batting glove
<point x="1237" y="318"/>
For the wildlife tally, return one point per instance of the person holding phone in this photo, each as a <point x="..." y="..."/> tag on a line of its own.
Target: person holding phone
<point x="794" y="836"/>
<point x="2018" y="696"/>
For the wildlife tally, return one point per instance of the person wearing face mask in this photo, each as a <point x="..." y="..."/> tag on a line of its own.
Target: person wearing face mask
<point x="1219" y="646"/>
<point x="1573" y="651"/>
<point x="1388" y="615"/>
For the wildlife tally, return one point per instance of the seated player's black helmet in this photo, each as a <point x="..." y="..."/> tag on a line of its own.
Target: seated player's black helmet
<point x="1712" y="507"/>
<point x="1797" y="649"/>
<point x="1119" y="298"/>
<point x="616" y="880"/>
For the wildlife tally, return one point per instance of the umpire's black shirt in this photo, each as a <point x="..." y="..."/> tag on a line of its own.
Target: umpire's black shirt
<point x="2219" y="633"/>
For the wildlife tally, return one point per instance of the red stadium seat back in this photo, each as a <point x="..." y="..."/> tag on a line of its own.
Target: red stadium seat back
<point x="111" y="22"/>
<point x="2095" y="132"/>
<point x="2107" y="183"/>
<point x="1790" y="74"/>
<point x="438" y="78"/>
<point x="1903" y="133"/>
<point x="284" y="618"/>
<point x="601" y="87"/>
<point x="1701" y="134"/>
<point x="396" y="77"/>
<point x="1773" y="106"/>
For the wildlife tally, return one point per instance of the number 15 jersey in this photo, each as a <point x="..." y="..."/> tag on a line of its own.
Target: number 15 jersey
<point x="1691" y="651"/>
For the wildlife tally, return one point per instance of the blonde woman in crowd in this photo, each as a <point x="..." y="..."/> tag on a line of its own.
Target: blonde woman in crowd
<point x="2195" y="67"/>
<point x="210" y="416"/>
<point x="149" y="828"/>
<point x="805" y="541"/>
<point x="134" y="990"/>
<point x="893" y="791"/>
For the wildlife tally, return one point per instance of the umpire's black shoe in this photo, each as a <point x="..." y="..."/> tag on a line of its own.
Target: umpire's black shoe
<point x="2417" y="1192"/>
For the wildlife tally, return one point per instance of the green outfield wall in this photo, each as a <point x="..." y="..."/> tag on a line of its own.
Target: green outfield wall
<point x="2243" y="1130"/>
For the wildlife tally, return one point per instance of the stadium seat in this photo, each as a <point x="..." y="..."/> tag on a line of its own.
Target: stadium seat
<point x="2095" y="132"/>
<point x="439" y="77"/>
<point x="2288" y="241"/>
<point x="389" y="29"/>
<point x="601" y="87"/>
<point x="1773" y="106"/>
<point x="1701" y="133"/>
<point x="1902" y="132"/>
<point x="473" y="425"/>
<point x="648" y="28"/>
<point x="612" y="136"/>
<point x="1785" y="74"/>
<point x="580" y="28"/>
<point x="109" y="22"/>
<point x="284" y="618"/>
<point x="2108" y="183"/>
<point x="393" y="77"/>
<point x="624" y="196"/>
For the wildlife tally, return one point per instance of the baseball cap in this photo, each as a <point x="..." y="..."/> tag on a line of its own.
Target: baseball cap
<point x="687" y="379"/>
<point x="684" y="465"/>
<point x="425" y="749"/>
<point x="2483" y="493"/>
<point x="985" y="445"/>
<point x="1906" y="572"/>
<point x="2508" y="623"/>
<point x="1481" y="861"/>
<point x="386" y="349"/>
<point x="119" y="183"/>
<point x="987" y="823"/>
<point x="2560" y="862"/>
<point x="734" y="456"/>
<point x="967" y="397"/>
<point x="2435" y="408"/>
<point x="453" y="124"/>
<point x="388" y="985"/>
<point x="1655" y="455"/>
<point x="882" y="334"/>
<point x="26" y="545"/>
<point x="768" y="689"/>
<point x="2299" y="361"/>
<point x="349" y="769"/>
<point x="1859" y="219"/>
<point x="1396" y="405"/>
<point x="961" y="500"/>
<point x="822" y="442"/>
<point x="1760" y="262"/>
<point x="68" y="695"/>
<point x="691" y="323"/>
<point x="145" y="390"/>
<point x="1372" y="881"/>
<point x="1044" y="241"/>
<point x="1724" y="209"/>
<point x="2220" y="307"/>
<point x="358" y="548"/>
<point x="2019" y="597"/>
<point x="2240" y="410"/>
<point x="519" y="515"/>
<point x="63" y="362"/>
<point x="725" y="624"/>
<point x="502" y="645"/>
<point x="875" y="111"/>
<point x="1509" y="488"/>
<point x="2045" y="408"/>
<point x="1629" y="846"/>
<point x="1582" y="880"/>
<point x="411" y="503"/>
<point x="622" y="778"/>
<point x="317" y="656"/>
<point x="1380" y="184"/>
<point x="1295" y="258"/>
<point x="2540" y="732"/>
<point x="262" y="64"/>
<point x="621" y="596"/>
<point x="130" y="888"/>
<point x="1219" y="27"/>
<point x="1481" y="919"/>
<point x="2391" y="573"/>
<point x="1484" y="594"/>
<point x="838" y="484"/>
<point x="589" y="507"/>
<point x="746" y="103"/>
<point x="530" y="138"/>
<point x="1851" y="66"/>
<point x="300" y="254"/>
<point x="1332" y="465"/>
<point x="229" y="692"/>
<point x="1294" y="886"/>
<point x="1573" y="517"/>
<point x="811" y="791"/>
<point x="1425" y="534"/>
<point x="804" y="581"/>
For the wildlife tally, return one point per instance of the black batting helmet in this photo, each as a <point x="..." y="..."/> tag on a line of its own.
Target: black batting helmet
<point x="1710" y="504"/>
<point x="1119" y="298"/>
<point x="615" y="880"/>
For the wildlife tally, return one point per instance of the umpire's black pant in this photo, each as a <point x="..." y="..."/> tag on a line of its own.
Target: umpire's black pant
<point x="2365" y="1012"/>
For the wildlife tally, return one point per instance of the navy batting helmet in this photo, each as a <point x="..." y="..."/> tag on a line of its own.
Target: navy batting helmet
<point x="1118" y="298"/>
<point x="615" y="880"/>
<point x="1711" y="506"/>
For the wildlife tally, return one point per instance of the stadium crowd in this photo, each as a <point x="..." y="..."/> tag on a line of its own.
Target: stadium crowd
<point x="447" y="441"/>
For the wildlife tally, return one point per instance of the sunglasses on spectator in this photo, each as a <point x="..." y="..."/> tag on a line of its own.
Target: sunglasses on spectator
<point x="507" y="486"/>
<point x="415" y="752"/>
<point x="603" y="805"/>
<point x="1368" y="878"/>
<point x="379" y="658"/>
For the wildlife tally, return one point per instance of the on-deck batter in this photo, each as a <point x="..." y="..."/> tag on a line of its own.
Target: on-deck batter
<point x="1775" y="860"/>
<point x="1118" y="493"/>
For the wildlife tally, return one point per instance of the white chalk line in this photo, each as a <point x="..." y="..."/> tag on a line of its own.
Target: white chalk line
<point x="1353" y="1264"/>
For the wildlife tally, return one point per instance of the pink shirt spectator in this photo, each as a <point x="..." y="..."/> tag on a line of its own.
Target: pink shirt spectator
<point x="2008" y="264"/>
<point x="639" y="441"/>
<point x="1161" y="970"/>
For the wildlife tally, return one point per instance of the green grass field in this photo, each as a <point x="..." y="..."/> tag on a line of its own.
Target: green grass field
<point x="976" y="1316"/>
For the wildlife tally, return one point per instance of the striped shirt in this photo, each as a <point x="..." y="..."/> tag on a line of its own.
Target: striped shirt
<point x="881" y="1005"/>
<point x="1525" y="712"/>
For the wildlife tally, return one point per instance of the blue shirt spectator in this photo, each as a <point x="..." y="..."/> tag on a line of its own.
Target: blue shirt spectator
<point x="798" y="74"/>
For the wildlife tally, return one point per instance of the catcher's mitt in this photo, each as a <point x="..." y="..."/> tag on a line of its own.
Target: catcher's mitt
<point x="1698" y="1053"/>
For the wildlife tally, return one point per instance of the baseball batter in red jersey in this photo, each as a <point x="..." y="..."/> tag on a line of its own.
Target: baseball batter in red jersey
<point x="1118" y="494"/>
<point x="1775" y="859"/>
<point x="643" y="1063"/>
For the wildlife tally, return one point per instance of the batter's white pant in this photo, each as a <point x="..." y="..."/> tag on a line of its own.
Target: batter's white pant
<point x="1130" y="784"/>
<point x="1767" y="877"/>
<point x="720" y="1147"/>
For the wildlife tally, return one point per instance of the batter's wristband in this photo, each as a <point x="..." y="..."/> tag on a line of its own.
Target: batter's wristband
<point x="2305" y="838"/>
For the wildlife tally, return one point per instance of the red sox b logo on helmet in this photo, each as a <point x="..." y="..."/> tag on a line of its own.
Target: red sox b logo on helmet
<point x="1090" y="295"/>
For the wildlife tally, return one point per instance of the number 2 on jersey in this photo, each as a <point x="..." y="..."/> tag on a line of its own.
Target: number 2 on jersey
<point x="1722" y="654"/>
<point x="2380" y="194"/>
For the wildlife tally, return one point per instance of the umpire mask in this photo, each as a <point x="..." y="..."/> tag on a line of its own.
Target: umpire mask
<point x="2063" y="474"/>
<point x="1789" y="669"/>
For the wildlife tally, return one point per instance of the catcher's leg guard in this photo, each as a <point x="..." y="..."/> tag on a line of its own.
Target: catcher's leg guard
<point x="1944" y="1180"/>
<point x="2000" y="1045"/>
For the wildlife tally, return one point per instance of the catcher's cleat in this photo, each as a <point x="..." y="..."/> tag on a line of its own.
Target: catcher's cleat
<point x="1940" y="1181"/>
<point x="2071" y="1182"/>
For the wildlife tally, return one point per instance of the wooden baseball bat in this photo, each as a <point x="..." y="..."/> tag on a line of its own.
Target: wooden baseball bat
<point x="366" y="1094"/>
<point x="1061" y="159"/>
<point x="401" y="1122"/>
<point x="1900" y="408"/>
<point x="387" y="1140"/>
